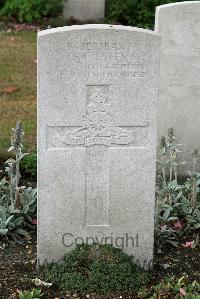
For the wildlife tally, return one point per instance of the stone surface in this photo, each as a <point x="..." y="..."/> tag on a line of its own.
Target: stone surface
<point x="84" y="9"/>
<point x="179" y="95"/>
<point x="97" y="108"/>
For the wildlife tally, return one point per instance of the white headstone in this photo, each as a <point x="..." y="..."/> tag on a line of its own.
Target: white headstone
<point x="84" y="9"/>
<point x="97" y="108"/>
<point x="179" y="98"/>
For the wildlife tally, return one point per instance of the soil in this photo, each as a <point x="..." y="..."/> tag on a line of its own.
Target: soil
<point x="18" y="268"/>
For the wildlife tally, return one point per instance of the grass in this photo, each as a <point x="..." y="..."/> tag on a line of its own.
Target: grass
<point x="17" y="68"/>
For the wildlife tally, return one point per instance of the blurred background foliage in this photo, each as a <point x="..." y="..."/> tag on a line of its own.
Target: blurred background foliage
<point x="31" y="10"/>
<point x="2" y="2"/>
<point x="139" y="13"/>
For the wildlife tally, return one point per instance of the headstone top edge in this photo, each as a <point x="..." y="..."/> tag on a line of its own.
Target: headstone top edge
<point x="171" y="5"/>
<point x="169" y="8"/>
<point x="94" y="26"/>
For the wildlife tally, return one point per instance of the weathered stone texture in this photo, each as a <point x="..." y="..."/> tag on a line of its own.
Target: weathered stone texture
<point x="84" y="9"/>
<point x="97" y="110"/>
<point x="179" y="95"/>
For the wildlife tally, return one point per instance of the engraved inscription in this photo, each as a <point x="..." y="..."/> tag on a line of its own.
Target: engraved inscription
<point x="111" y="60"/>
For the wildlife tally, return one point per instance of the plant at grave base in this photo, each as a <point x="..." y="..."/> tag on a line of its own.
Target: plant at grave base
<point x="96" y="268"/>
<point x="180" y="217"/>
<point x="34" y="294"/>
<point x="190" y="202"/>
<point x="177" y="210"/>
<point x="166" y="214"/>
<point x="165" y="234"/>
<point x="169" y="157"/>
<point x="190" y="215"/>
<point x="17" y="203"/>
<point x="172" y="288"/>
<point x="13" y="165"/>
<point x="11" y="226"/>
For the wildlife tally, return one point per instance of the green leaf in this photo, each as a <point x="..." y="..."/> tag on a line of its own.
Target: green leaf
<point x="197" y="225"/>
<point x="9" y="219"/>
<point x="180" y="280"/>
<point x="11" y="148"/>
<point x="16" y="238"/>
<point x="179" y="195"/>
<point x="166" y="214"/>
<point x="37" y="293"/>
<point x="2" y="214"/>
<point x="172" y="218"/>
<point x="11" y="225"/>
<point x="198" y="182"/>
<point x="174" y="243"/>
<point x="177" y="204"/>
<point x="22" y="232"/>
<point x="19" y="221"/>
<point x="10" y="161"/>
<point x="25" y="210"/>
<point x="3" y="231"/>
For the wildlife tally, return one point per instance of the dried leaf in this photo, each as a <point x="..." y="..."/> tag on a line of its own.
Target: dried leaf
<point x="10" y="89"/>
<point x="30" y="251"/>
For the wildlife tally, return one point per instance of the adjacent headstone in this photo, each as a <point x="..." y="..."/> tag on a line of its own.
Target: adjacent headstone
<point x="179" y="95"/>
<point x="97" y="110"/>
<point x="84" y="9"/>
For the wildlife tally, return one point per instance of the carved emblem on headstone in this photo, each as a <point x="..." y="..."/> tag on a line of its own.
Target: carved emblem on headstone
<point x="99" y="126"/>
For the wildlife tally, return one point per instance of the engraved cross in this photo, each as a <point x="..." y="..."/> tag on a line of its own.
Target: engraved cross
<point x="97" y="135"/>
